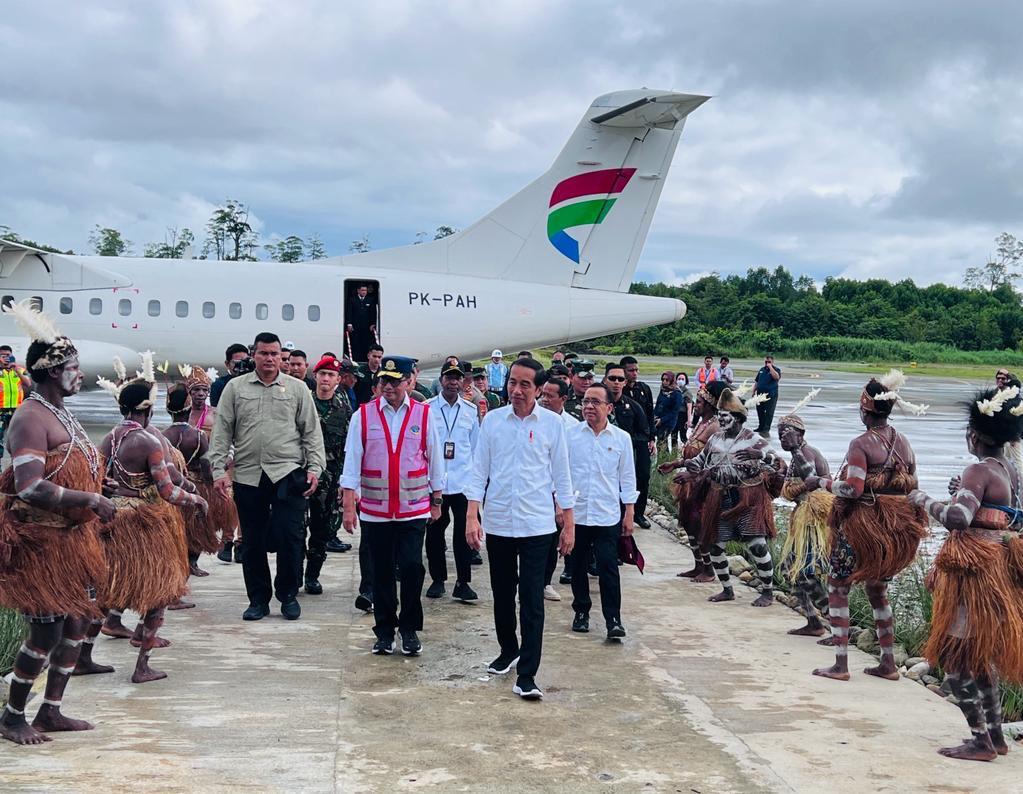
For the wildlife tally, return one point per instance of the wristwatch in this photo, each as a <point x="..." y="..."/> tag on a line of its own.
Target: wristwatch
<point x="437" y="501"/>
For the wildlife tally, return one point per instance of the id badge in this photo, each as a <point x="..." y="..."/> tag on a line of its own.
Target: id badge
<point x="449" y="450"/>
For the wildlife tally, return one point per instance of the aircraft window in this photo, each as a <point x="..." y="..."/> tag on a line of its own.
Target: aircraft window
<point x="154" y="308"/>
<point x="36" y="303"/>
<point x="287" y="312"/>
<point x="66" y="305"/>
<point x="262" y="311"/>
<point x="124" y="307"/>
<point x="314" y="313"/>
<point x="181" y="308"/>
<point x="208" y="310"/>
<point x="95" y="306"/>
<point x="7" y="300"/>
<point x="234" y="311"/>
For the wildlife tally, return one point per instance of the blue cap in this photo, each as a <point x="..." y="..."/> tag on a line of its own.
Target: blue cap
<point x="396" y="367"/>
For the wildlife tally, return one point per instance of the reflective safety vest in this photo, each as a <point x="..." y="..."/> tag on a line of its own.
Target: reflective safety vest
<point x="705" y="376"/>
<point x="11" y="393"/>
<point x="395" y="480"/>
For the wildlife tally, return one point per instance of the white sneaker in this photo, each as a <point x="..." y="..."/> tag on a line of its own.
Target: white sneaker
<point x="550" y="594"/>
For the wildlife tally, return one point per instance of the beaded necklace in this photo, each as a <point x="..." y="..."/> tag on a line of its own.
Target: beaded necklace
<point x="79" y="438"/>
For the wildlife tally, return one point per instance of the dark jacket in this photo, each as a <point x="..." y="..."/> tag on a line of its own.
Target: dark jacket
<point x="631" y="418"/>
<point x="641" y="394"/>
<point x="669" y="405"/>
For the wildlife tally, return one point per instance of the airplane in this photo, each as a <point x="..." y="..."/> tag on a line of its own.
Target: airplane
<point x="552" y="264"/>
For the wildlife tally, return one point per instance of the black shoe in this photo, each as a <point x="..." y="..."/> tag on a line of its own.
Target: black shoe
<point x="435" y="590"/>
<point x="615" y="630"/>
<point x="256" y="612"/>
<point x="237" y="552"/>
<point x="364" y="601"/>
<point x="224" y="555"/>
<point x="410" y="644"/>
<point x="475" y="557"/>
<point x="463" y="592"/>
<point x="581" y="622"/>
<point x="384" y="647"/>
<point x="526" y="688"/>
<point x="313" y="587"/>
<point x="642" y="522"/>
<point x="565" y="578"/>
<point x="503" y="664"/>
<point x="338" y="546"/>
<point x="291" y="610"/>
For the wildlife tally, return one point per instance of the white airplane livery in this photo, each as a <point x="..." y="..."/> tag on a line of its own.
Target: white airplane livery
<point x="551" y="264"/>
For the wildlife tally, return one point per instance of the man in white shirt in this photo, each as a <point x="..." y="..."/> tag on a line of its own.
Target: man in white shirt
<point x="604" y="474"/>
<point x="458" y="429"/>
<point x="522" y="453"/>
<point x="391" y="443"/>
<point x="553" y="395"/>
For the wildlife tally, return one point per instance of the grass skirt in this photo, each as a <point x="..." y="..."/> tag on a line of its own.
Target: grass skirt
<point x="977" y="618"/>
<point x="48" y="561"/>
<point x="755" y="509"/>
<point x="808" y="542"/>
<point x="147" y="555"/>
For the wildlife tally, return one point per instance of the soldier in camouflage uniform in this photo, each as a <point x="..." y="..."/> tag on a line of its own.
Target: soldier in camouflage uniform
<point x="582" y="379"/>
<point x="324" y="510"/>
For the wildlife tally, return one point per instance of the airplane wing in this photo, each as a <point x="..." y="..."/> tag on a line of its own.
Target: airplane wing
<point x="66" y="271"/>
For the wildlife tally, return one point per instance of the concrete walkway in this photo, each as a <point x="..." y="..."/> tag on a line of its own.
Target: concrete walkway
<point x="699" y="698"/>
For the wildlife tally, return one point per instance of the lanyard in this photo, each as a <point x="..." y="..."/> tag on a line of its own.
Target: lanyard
<point x="444" y="416"/>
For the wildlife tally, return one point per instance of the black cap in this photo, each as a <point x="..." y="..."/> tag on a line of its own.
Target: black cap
<point x="396" y="367"/>
<point x="559" y="369"/>
<point x="479" y="372"/>
<point x="460" y="368"/>
<point x="570" y="355"/>
<point x="582" y="365"/>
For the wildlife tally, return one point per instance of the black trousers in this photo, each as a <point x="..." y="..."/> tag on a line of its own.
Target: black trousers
<point x="365" y="567"/>
<point x="6" y="415"/>
<point x="604" y="543"/>
<point x="396" y="544"/>
<point x="272" y="517"/>
<point x="552" y="559"/>
<point x="642" y="455"/>
<point x="518" y="564"/>
<point x="436" y="546"/>
<point x="765" y="415"/>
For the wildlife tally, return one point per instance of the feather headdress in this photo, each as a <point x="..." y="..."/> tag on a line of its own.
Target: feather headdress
<point x="185" y="370"/>
<point x="211" y="373"/>
<point x="109" y="387"/>
<point x="119" y="370"/>
<point x="796" y="421"/>
<point x="755" y="400"/>
<point x="997" y="402"/>
<point x="891" y="382"/>
<point x="744" y="389"/>
<point x="40" y="329"/>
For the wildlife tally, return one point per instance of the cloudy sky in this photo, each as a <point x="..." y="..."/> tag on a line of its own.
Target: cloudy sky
<point x="869" y="140"/>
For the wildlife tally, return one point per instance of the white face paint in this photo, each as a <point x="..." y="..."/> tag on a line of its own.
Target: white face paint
<point x="71" y="377"/>
<point x="728" y="423"/>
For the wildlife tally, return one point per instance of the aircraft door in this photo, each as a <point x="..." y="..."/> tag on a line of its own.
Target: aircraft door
<point x="361" y="317"/>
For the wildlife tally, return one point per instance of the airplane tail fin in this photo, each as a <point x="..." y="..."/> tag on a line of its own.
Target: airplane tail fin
<point x="584" y="222"/>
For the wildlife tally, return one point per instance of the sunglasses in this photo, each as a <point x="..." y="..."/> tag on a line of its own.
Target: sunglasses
<point x="591" y="401"/>
<point x="616" y="378"/>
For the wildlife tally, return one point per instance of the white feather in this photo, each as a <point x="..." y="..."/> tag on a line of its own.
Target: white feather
<point x="756" y="400"/>
<point x="744" y="389"/>
<point x="119" y="369"/>
<point x="886" y="395"/>
<point x="109" y="387"/>
<point x="893" y="381"/>
<point x="913" y="408"/>
<point x="148" y="373"/>
<point x="805" y="401"/>
<point x="997" y="401"/>
<point x="185" y="370"/>
<point x="211" y="373"/>
<point x="1017" y="410"/>
<point x="36" y="325"/>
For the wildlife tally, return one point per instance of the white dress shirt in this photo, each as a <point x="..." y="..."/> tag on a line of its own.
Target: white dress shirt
<point x="604" y="473"/>
<point x="567" y="420"/>
<point x="525" y="461"/>
<point x="460" y="425"/>
<point x="351" y="475"/>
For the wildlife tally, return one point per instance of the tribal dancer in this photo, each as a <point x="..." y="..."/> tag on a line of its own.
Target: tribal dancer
<point x="50" y="551"/>
<point x="146" y="550"/>
<point x="223" y="515"/>
<point x="875" y="531"/>
<point x="806" y="548"/>
<point x="977" y="623"/>
<point x="190" y="446"/>
<point x="740" y="470"/>
<point x="690" y="495"/>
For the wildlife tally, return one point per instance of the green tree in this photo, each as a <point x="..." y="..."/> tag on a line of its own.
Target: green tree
<point x="6" y="233"/>
<point x="444" y="231"/>
<point x="1002" y="269"/>
<point x="108" y="242"/>
<point x="314" y="248"/>
<point x="174" y="246"/>
<point x="229" y="234"/>
<point x="360" y="246"/>
<point x="290" y="249"/>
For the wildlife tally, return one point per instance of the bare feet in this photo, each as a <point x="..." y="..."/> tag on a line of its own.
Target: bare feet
<point x="144" y="673"/>
<point x="704" y="578"/>
<point x="50" y="720"/>
<point x="998" y="740"/>
<point x="835" y="671"/>
<point x="809" y="630"/>
<point x="765" y="600"/>
<point x="828" y="641"/>
<point x="976" y="749"/>
<point x="725" y="595"/>
<point x="158" y="642"/>
<point x="15" y="729"/>
<point x="887" y="672"/>
<point x="195" y="570"/>
<point x="181" y="604"/>
<point x="689" y="574"/>
<point x="115" y="629"/>
<point x="89" y="667"/>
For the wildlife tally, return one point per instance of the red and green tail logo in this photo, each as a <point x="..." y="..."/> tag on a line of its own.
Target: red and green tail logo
<point x="583" y="200"/>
